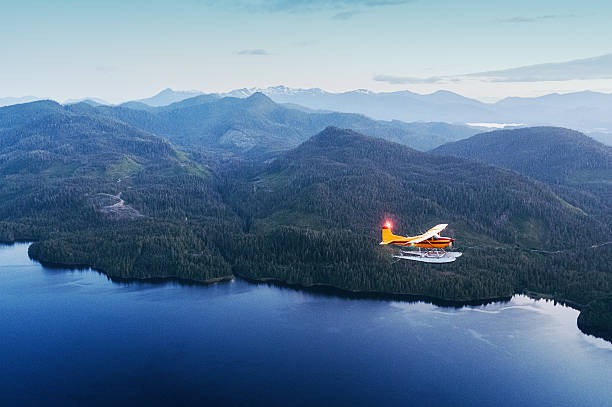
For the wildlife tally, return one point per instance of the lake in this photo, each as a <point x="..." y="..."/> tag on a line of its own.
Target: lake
<point x="74" y="337"/>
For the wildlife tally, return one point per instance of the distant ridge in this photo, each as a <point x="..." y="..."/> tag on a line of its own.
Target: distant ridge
<point x="7" y="101"/>
<point x="89" y="101"/>
<point x="168" y="96"/>
<point x="586" y="111"/>
<point x="257" y="126"/>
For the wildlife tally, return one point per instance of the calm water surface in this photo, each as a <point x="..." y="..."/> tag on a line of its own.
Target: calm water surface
<point x="75" y="338"/>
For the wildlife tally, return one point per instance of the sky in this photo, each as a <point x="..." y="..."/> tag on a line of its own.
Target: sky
<point x="119" y="50"/>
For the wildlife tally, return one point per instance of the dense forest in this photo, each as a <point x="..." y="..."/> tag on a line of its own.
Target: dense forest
<point x="319" y="208"/>
<point x="92" y="190"/>
<point x="577" y="167"/>
<point x="551" y="154"/>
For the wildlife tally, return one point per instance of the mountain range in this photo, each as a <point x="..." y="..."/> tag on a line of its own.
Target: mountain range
<point x="257" y="126"/>
<point x="587" y="111"/>
<point x="169" y="96"/>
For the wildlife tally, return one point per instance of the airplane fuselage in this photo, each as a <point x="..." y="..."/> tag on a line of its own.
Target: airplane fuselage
<point x="428" y="240"/>
<point x="433" y="243"/>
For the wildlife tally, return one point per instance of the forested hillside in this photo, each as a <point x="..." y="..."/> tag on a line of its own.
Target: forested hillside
<point x="577" y="167"/>
<point x="314" y="216"/>
<point x="551" y="154"/>
<point x="93" y="191"/>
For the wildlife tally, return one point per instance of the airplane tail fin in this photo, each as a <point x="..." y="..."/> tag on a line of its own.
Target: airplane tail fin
<point x="387" y="236"/>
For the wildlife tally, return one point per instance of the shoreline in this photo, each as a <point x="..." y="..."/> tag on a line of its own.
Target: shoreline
<point x="332" y="290"/>
<point x="316" y="288"/>
<point x="128" y="280"/>
<point x="115" y="279"/>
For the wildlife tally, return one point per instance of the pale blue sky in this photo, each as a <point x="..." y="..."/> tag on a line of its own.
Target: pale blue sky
<point x="118" y="51"/>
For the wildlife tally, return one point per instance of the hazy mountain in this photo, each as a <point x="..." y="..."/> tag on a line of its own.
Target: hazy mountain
<point x="586" y="111"/>
<point x="426" y="134"/>
<point x="137" y="106"/>
<point x="168" y="96"/>
<point x="590" y="112"/>
<point x="6" y="101"/>
<point x="604" y="138"/>
<point x="258" y="126"/>
<point x="189" y="102"/>
<point x="404" y="105"/>
<point x="89" y="101"/>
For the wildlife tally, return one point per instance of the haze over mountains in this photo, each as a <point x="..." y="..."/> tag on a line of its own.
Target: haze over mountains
<point x="587" y="111"/>
<point x="258" y="126"/>
<point x="169" y="96"/>
<point x="7" y="101"/>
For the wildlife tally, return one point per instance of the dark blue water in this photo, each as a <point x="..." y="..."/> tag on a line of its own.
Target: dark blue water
<point x="76" y="338"/>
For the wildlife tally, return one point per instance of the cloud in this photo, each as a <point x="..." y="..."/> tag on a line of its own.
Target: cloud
<point x="344" y="15"/>
<point x="402" y="80"/>
<point x="579" y="69"/>
<point x="589" y="68"/>
<point x="106" y="68"/>
<point x="258" y="51"/>
<point x="306" y="43"/>
<point x="535" y="19"/>
<point x="301" y="6"/>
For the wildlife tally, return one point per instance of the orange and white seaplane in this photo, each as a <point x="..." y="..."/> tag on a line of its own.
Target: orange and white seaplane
<point x="431" y="241"/>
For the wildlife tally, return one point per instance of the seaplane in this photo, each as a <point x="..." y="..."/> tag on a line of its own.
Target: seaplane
<point x="431" y="241"/>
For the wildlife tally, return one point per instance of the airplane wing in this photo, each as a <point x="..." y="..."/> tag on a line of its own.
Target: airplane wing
<point x="430" y="233"/>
